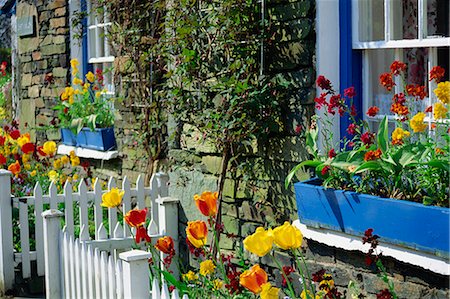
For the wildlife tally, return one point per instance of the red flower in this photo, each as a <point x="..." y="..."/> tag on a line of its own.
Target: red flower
<point x="367" y="138"/>
<point x="321" y="101"/>
<point x="323" y="83"/>
<point x="399" y="109"/>
<point x="372" y="155"/>
<point x="2" y="140"/>
<point x="2" y="160"/>
<point x="141" y="235"/>
<point x="298" y="129"/>
<point x="15" y="134"/>
<point x="384" y="294"/>
<point x="437" y="73"/>
<point x="28" y="148"/>
<point x="325" y="170"/>
<point x="429" y="109"/>
<point x="350" y="92"/>
<point x="372" y="111"/>
<point x="387" y="81"/>
<point x="136" y="218"/>
<point x="40" y="151"/>
<point x="416" y="91"/>
<point x="353" y="111"/>
<point x="351" y="129"/>
<point x="165" y="245"/>
<point x="3" y="68"/>
<point x="331" y="153"/>
<point x="397" y="67"/>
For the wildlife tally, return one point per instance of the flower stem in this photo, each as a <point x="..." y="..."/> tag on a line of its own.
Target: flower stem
<point x="291" y="289"/>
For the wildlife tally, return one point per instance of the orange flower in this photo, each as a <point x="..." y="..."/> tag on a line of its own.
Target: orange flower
<point x="386" y="81"/>
<point x="165" y="245"/>
<point x="136" y="218"/>
<point x="197" y="232"/>
<point x="253" y="279"/>
<point x="207" y="203"/>
<point x="14" y="168"/>
<point x="372" y="155"/>
<point x="399" y="109"/>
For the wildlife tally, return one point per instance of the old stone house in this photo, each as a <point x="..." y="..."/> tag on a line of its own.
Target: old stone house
<point x="350" y="42"/>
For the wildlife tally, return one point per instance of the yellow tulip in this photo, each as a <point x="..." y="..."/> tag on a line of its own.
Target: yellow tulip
<point x="112" y="198"/>
<point x="197" y="233"/>
<point x="52" y="175"/>
<point x="287" y="236"/>
<point x="260" y="243"/>
<point x="49" y="148"/>
<point x="269" y="292"/>
<point x="65" y="160"/>
<point x="75" y="161"/>
<point x="90" y="77"/>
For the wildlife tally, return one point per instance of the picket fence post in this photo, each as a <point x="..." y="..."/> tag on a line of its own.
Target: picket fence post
<point x="6" y="234"/>
<point x="135" y="273"/>
<point x="168" y="225"/>
<point x="52" y="253"/>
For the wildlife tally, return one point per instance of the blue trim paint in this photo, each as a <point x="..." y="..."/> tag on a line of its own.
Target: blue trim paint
<point x="350" y="63"/>
<point x="398" y="222"/>
<point x="84" y="41"/>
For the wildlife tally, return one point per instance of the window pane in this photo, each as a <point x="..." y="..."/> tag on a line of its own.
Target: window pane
<point x="444" y="61"/>
<point x="91" y="43"/>
<point x="371" y="20"/>
<point x="438" y="16"/>
<point x="404" y="18"/>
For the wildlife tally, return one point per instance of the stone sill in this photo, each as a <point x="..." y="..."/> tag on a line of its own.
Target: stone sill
<point x="347" y="242"/>
<point x="87" y="153"/>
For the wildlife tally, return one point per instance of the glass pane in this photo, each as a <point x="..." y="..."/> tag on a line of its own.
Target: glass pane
<point x="404" y="18"/>
<point x="100" y="42"/>
<point x="444" y="61"/>
<point x="438" y="16"/>
<point x="371" y="20"/>
<point x="92" y="40"/>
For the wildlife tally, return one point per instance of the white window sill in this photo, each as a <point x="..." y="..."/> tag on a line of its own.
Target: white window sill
<point x="347" y="242"/>
<point x="87" y="153"/>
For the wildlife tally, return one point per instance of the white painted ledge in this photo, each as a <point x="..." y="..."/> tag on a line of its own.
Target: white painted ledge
<point x="347" y="242"/>
<point x="87" y="153"/>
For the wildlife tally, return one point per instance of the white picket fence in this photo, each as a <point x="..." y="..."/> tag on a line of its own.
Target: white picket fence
<point x="96" y="268"/>
<point x="163" y="212"/>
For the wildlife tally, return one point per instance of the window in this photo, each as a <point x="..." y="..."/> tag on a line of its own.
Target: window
<point x="413" y="31"/>
<point x="99" y="50"/>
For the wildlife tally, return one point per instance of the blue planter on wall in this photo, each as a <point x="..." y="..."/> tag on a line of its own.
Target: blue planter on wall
<point x="400" y="222"/>
<point x="100" y="139"/>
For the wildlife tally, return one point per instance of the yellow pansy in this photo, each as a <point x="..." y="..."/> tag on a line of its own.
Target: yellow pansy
<point x="327" y="282"/>
<point x="207" y="267"/>
<point x="112" y="198"/>
<point x="443" y="92"/>
<point x="439" y="110"/>
<point x="49" y="148"/>
<point x="72" y="154"/>
<point x="287" y="236"/>
<point x="90" y="77"/>
<point x="57" y="164"/>
<point x="22" y="140"/>
<point x="52" y="175"/>
<point x="33" y="173"/>
<point x="190" y="276"/>
<point x="75" y="161"/>
<point x="260" y="242"/>
<point x="65" y="160"/>
<point x="269" y="292"/>
<point x="416" y="123"/>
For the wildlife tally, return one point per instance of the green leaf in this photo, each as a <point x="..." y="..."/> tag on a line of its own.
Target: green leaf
<point x="369" y="165"/>
<point x="383" y="135"/>
<point x="77" y="124"/>
<point x="444" y="165"/>
<point x="311" y="163"/>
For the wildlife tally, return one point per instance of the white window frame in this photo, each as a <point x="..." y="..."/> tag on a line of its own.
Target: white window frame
<point x="95" y="27"/>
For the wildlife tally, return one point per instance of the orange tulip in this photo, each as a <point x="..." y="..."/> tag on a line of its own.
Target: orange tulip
<point x="197" y="233"/>
<point x="253" y="279"/>
<point x="207" y="203"/>
<point x="136" y="218"/>
<point x="14" y="168"/>
<point x="165" y="245"/>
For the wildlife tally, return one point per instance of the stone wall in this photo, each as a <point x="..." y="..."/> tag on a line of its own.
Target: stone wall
<point x="43" y="55"/>
<point x="5" y="31"/>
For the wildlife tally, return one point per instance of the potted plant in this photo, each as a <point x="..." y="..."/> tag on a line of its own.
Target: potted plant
<point x="86" y="117"/>
<point x="396" y="181"/>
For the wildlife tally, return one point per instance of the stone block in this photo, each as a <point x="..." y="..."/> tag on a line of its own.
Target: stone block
<point x="33" y="91"/>
<point x="62" y="31"/>
<point x="26" y="80"/>
<point x="59" y="39"/>
<point x="47" y="40"/>
<point x="39" y="103"/>
<point x="58" y="22"/>
<point x="52" y="5"/>
<point x="24" y="58"/>
<point x="290" y="148"/>
<point x="28" y="44"/>
<point x="53" y="134"/>
<point x="53" y="49"/>
<point x="44" y="16"/>
<point x="41" y="64"/>
<point x="59" y="72"/>
<point x="192" y="139"/>
<point x="36" y="55"/>
<point x="211" y="164"/>
<point x="27" y="116"/>
<point x="60" y="12"/>
<point x="37" y="79"/>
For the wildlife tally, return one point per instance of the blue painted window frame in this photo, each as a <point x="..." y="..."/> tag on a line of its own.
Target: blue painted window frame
<point x="84" y="41"/>
<point x="350" y="63"/>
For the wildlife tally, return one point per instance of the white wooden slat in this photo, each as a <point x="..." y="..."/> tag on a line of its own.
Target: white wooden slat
<point x="175" y="294"/>
<point x="152" y="229"/>
<point x="104" y="275"/>
<point x="68" y="207"/>
<point x="165" y="291"/>
<point x="156" y="293"/>
<point x="97" y="275"/>
<point x="163" y="179"/>
<point x="84" y="233"/>
<point x="185" y="296"/>
<point x="153" y="196"/>
<point x="98" y="211"/>
<point x="111" y="278"/>
<point x="140" y="192"/>
<point x="126" y="186"/>
<point x="102" y="234"/>
<point x="112" y="212"/>
<point x="66" y="259"/>
<point x="53" y="196"/>
<point x="83" y="204"/>
<point x="39" y="230"/>
<point x="91" y="272"/>
<point x="119" y="279"/>
<point x="73" y="292"/>
<point x="78" y="267"/>
<point x="25" y="239"/>
<point x="118" y="231"/>
<point x="84" y="270"/>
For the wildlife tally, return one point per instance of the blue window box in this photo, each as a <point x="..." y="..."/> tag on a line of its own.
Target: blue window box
<point x="68" y="137"/>
<point x="404" y="223"/>
<point x="99" y="139"/>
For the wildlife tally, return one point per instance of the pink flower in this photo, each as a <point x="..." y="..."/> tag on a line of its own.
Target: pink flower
<point x="323" y="82"/>
<point x="351" y="129"/>
<point x="350" y="92"/>
<point x="367" y="138"/>
<point x="331" y="153"/>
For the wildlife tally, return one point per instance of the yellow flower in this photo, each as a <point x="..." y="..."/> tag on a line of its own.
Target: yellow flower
<point x="287" y="236"/>
<point x="86" y="86"/>
<point x="112" y="198"/>
<point x="27" y="166"/>
<point x="218" y="284"/>
<point x="49" y="148"/>
<point x="57" y="164"/>
<point x="269" y="292"/>
<point x="65" y="160"/>
<point x="33" y="173"/>
<point x="77" y="81"/>
<point x="52" y="175"/>
<point x="306" y="295"/>
<point x="398" y="135"/>
<point x="74" y="63"/>
<point x="207" y="267"/>
<point x="98" y="94"/>
<point x="443" y="92"/>
<point x="75" y="177"/>
<point x="15" y="150"/>
<point x="22" y="140"/>
<point x="75" y="161"/>
<point x="190" y="276"/>
<point x="327" y="282"/>
<point x="416" y="123"/>
<point x="90" y="77"/>
<point x="439" y="110"/>
<point x="260" y="243"/>
<point x="26" y="158"/>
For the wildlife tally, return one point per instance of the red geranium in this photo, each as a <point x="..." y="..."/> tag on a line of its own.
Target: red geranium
<point x="28" y="148"/>
<point x="323" y="83"/>
<point x="351" y="129"/>
<point x="367" y="138"/>
<point x="331" y="153"/>
<point x="350" y="92"/>
<point x="372" y="111"/>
